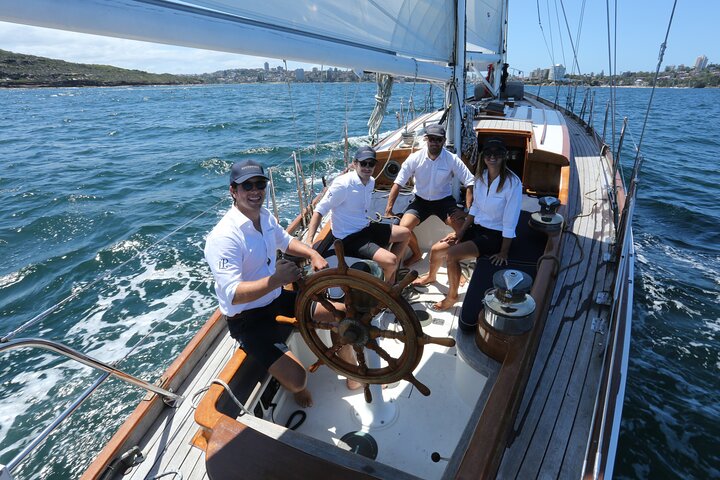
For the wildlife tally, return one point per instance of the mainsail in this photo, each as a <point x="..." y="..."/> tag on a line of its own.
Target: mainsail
<point x="413" y="38"/>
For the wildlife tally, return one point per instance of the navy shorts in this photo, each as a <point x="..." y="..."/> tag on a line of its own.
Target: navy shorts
<point x="366" y="242"/>
<point x="487" y="240"/>
<point x="423" y="209"/>
<point x="259" y="334"/>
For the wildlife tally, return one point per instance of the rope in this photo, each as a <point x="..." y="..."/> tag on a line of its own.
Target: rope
<point x="195" y="397"/>
<point x="382" y="97"/>
<point x="44" y="314"/>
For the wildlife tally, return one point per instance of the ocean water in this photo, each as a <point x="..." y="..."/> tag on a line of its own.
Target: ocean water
<point x="107" y="194"/>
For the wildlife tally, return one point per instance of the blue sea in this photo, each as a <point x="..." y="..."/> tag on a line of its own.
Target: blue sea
<point x="107" y="195"/>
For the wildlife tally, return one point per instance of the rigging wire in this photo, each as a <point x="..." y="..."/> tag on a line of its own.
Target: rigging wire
<point x="572" y="44"/>
<point x="612" y="75"/>
<point x="661" y="55"/>
<point x="562" y="44"/>
<point x="580" y="24"/>
<point x="317" y="129"/>
<point x="547" y="47"/>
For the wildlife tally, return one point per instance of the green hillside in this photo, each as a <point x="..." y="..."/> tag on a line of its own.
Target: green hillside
<point x="18" y="70"/>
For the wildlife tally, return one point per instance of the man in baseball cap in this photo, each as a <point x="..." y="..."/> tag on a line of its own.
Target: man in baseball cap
<point x="242" y="253"/>
<point x="349" y="197"/>
<point x="433" y="169"/>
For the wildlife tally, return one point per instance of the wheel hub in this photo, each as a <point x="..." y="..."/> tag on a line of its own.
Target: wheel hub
<point x="353" y="332"/>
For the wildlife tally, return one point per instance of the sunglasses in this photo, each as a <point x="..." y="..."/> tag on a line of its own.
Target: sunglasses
<point x="248" y="185"/>
<point x="366" y="164"/>
<point x="435" y="139"/>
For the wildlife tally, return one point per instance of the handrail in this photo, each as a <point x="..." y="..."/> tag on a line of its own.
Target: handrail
<point x="170" y="398"/>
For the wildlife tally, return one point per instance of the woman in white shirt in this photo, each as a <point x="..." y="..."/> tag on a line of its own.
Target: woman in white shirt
<point x="489" y="226"/>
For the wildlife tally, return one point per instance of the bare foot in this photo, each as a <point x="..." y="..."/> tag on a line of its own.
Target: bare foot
<point x="413" y="259"/>
<point x="463" y="280"/>
<point x="303" y="398"/>
<point x="445" y="304"/>
<point x="424" y="280"/>
<point x="353" y="385"/>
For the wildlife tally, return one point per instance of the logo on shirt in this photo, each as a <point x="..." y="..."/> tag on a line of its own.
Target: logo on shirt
<point x="222" y="263"/>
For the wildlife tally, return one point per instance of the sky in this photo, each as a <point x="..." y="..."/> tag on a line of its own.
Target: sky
<point x="641" y="30"/>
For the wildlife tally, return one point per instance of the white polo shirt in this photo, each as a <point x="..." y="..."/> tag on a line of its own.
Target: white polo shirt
<point x="497" y="210"/>
<point x="433" y="178"/>
<point x="237" y="252"/>
<point x="350" y="202"/>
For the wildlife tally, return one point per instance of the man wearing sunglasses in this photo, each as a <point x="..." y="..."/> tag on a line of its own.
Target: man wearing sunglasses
<point x="433" y="169"/>
<point x="241" y="251"/>
<point x="349" y="197"/>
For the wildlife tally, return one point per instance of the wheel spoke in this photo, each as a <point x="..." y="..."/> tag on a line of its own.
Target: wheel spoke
<point x="320" y="325"/>
<point x="422" y="388"/>
<point x="360" y="356"/>
<point x="373" y="345"/>
<point x="366" y="318"/>
<point x="340" y="254"/>
<point x="332" y="351"/>
<point x="350" y="310"/>
<point x="400" y="286"/>
<point x="349" y="297"/>
<point x="337" y="314"/>
<point x="377" y="332"/>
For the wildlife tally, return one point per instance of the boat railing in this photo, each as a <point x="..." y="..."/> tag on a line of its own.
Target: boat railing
<point x="168" y="396"/>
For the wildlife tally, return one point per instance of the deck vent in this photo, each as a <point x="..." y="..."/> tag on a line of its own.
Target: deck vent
<point x="361" y="443"/>
<point x="547" y="219"/>
<point x="508" y="306"/>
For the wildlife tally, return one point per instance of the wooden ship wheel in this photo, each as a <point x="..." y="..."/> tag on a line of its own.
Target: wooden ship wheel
<point x="366" y="297"/>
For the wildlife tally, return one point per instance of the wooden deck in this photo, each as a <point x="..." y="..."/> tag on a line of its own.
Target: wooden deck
<point x="553" y="423"/>
<point x="168" y="449"/>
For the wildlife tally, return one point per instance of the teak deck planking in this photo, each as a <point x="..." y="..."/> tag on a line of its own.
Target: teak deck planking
<point x="557" y="406"/>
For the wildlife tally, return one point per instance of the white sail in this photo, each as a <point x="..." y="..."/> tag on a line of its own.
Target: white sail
<point x="485" y="19"/>
<point x="367" y="35"/>
<point x="422" y="29"/>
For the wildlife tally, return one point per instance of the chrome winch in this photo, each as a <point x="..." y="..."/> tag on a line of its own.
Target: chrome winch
<point x="547" y="219"/>
<point x="508" y="306"/>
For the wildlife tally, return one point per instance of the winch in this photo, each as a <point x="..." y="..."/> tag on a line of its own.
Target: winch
<point x="508" y="306"/>
<point x="547" y="219"/>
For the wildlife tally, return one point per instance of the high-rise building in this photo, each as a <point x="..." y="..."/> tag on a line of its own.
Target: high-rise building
<point x="557" y="73"/>
<point x="700" y="63"/>
<point x="267" y="67"/>
<point x="300" y="74"/>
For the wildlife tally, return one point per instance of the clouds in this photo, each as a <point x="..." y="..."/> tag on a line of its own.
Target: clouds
<point x="94" y="49"/>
